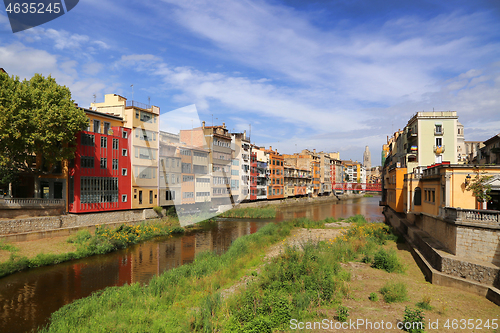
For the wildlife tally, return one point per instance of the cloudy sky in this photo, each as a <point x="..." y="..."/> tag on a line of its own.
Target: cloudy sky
<point x="331" y="75"/>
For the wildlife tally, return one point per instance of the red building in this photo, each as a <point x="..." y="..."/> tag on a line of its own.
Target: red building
<point x="100" y="175"/>
<point x="253" y="176"/>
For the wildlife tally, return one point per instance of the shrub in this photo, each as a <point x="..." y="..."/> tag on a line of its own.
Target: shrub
<point x="394" y="292"/>
<point x="373" y="297"/>
<point x="80" y="237"/>
<point x="413" y="320"/>
<point x="388" y="261"/>
<point x="157" y="209"/>
<point x="342" y="313"/>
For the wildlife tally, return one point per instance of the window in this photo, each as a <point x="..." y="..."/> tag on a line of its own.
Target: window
<point x="106" y="127"/>
<point x="439" y="142"/>
<point x="136" y="114"/>
<point x="97" y="126"/>
<point x="87" y="139"/>
<point x="104" y="163"/>
<point x="140" y="197"/>
<point x="124" y="152"/>
<point x="115" y="144"/>
<point x="417" y="197"/>
<point x="145" y="135"/>
<point x="188" y="178"/>
<point x="186" y="168"/>
<point x="124" y="171"/>
<point x="124" y="198"/>
<point x="198" y="154"/>
<point x="115" y="164"/>
<point x="98" y="189"/>
<point x="87" y="162"/>
<point x="124" y="134"/>
<point x="150" y="197"/>
<point x="146" y="116"/>
<point x="145" y="172"/>
<point x="188" y="195"/>
<point x="145" y="153"/>
<point x="199" y="169"/>
<point x="169" y="195"/>
<point x="104" y="142"/>
<point x="439" y="129"/>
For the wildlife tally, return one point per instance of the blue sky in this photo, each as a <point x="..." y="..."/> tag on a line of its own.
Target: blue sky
<point x="330" y="75"/>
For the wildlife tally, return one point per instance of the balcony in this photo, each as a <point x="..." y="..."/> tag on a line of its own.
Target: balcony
<point x="138" y="105"/>
<point x="439" y="149"/>
<point x="438" y="131"/>
<point x="490" y="217"/>
<point x="411" y="134"/>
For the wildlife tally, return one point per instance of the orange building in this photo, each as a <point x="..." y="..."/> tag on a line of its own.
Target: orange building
<point x="276" y="168"/>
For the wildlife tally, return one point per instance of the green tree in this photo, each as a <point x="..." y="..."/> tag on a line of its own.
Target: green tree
<point x="37" y="118"/>
<point x="479" y="187"/>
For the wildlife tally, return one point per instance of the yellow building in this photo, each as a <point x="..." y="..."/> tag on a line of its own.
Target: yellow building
<point x="144" y="121"/>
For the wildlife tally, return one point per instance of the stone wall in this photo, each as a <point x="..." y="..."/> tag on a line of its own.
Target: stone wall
<point x="479" y="243"/>
<point x="440" y="230"/>
<point x="474" y="245"/>
<point x="35" y="224"/>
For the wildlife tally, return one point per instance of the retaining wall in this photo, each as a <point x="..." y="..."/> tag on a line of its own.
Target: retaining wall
<point x="37" y="224"/>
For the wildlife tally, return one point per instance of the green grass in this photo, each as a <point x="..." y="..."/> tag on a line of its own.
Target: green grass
<point x="294" y="284"/>
<point x="267" y="212"/>
<point x="394" y="292"/>
<point x="103" y="241"/>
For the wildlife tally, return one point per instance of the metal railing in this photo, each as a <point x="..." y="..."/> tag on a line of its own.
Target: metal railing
<point x="138" y="105"/>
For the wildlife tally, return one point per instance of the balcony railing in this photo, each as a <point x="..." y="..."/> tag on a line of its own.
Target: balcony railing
<point x="491" y="217"/>
<point x="17" y="203"/>
<point x="138" y="105"/>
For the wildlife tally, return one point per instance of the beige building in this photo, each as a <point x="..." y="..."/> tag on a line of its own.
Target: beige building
<point x="218" y="143"/>
<point x="429" y="137"/>
<point x="170" y="170"/>
<point x="144" y="121"/>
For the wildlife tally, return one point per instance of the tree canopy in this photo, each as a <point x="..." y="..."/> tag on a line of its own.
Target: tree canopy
<point x="37" y="118"/>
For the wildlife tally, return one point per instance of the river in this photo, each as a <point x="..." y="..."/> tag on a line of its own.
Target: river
<point x="28" y="298"/>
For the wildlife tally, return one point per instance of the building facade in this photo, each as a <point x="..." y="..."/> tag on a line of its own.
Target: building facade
<point x="143" y="121"/>
<point x="99" y="177"/>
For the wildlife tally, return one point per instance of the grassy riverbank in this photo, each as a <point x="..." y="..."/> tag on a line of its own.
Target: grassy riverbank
<point x="23" y="255"/>
<point x="342" y="278"/>
<point x="266" y="212"/>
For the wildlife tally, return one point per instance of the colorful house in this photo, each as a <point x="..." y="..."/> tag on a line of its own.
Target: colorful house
<point x="99" y="177"/>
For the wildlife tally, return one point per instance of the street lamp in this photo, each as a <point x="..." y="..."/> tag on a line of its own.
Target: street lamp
<point x="467" y="180"/>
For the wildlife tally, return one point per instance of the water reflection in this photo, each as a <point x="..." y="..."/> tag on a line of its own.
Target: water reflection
<point x="364" y="206"/>
<point x="28" y="298"/>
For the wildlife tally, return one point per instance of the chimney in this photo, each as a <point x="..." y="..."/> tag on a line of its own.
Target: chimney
<point x="245" y="134"/>
<point x="203" y="123"/>
<point x="270" y="148"/>
<point x="314" y="151"/>
<point x="224" y="125"/>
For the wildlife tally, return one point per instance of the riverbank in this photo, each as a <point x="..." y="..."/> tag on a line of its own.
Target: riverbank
<point x="18" y="256"/>
<point x="323" y="277"/>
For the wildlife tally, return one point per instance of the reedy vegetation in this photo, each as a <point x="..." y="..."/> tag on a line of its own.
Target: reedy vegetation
<point x="293" y="285"/>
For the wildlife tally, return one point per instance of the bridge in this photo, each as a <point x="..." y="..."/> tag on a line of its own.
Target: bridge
<point x="357" y="187"/>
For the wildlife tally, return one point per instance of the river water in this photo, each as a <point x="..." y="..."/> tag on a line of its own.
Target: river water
<point x="28" y="298"/>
